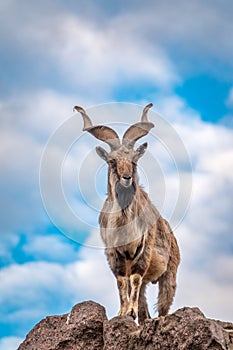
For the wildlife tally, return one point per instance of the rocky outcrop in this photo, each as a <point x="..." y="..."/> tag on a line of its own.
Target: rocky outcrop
<point x="87" y="327"/>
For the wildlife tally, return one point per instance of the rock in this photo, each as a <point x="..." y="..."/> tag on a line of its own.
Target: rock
<point x="87" y="327"/>
<point x="187" y="329"/>
<point x="118" y="332"/>
<point x="82" y="329"/>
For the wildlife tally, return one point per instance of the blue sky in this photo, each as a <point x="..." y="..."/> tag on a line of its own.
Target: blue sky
<point x="55" y="55"/>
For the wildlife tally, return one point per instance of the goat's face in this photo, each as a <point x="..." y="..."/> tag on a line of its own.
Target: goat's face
<point x="122" y="163"/>
<point x="122" y="172"/>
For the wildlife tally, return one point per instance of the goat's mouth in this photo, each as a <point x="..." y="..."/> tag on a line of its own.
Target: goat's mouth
<point x="126" y="180"/>
<point x="125" y="183"/>
<point x="125" y="194"/>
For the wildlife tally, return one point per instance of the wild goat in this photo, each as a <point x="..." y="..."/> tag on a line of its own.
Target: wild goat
<point x="140" y="245"/>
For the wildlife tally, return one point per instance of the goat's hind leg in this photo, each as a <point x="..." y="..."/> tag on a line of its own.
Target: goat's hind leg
<point x="167" y="282"/>
<point x="167" y="288"/>
<point x="143" y="311"/>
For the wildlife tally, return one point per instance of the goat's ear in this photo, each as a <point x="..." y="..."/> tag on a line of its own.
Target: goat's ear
<point x="102" y="153"/>
<point x="140" y="151"/>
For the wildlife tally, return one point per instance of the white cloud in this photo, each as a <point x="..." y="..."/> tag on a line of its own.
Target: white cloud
<point x="36" y="114"/>
<point x="91" y="55"/>
<point x="174" y="109"/>
<point x="95" y="57"/>
<point x="27" y="122"/>
<point x="34" y="290"/>
<point x="42" y="247"/>
<point x="186" y="31"/>
<point x="94" y="51"/>
<point x="95" y="280"/>
<point x="21" y="281"/>
<point x="19" y="158"/>
<point x="197" y="288"/>
<point x="10" y="343"/>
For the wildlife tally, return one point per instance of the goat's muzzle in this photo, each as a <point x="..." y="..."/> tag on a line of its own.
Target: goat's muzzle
<point x="126" y="180"/>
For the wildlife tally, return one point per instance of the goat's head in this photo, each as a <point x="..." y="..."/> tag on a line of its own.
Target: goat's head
<point x="122" y="159"/>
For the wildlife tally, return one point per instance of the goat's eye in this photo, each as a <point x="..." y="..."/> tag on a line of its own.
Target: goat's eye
<point x="112" y="161"/>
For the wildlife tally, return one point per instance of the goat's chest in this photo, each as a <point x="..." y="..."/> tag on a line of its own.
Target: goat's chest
<point x="121" y="232"/>
<point x="131" y="250"/>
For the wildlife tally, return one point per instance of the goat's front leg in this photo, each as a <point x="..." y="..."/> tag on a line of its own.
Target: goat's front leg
<point x="117" y="264"/>
<point x="135" y="284"/>
<point x="122" y="284"/>
<point x="138" y="271"/>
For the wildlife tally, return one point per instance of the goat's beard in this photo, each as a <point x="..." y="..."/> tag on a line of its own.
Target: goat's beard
<point x="125" y="194"/>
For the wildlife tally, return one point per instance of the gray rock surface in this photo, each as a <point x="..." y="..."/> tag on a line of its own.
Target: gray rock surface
<point x="87" y="327"/>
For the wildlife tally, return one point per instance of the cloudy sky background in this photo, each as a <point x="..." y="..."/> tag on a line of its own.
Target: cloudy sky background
<point x="55" y="55"/>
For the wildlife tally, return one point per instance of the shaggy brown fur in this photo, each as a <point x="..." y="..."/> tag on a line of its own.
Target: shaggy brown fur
<point x="140" y="245"/>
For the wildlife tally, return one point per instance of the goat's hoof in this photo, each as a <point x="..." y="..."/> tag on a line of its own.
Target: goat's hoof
<point x="122" y="312"/>
<point x="132" y="314"/>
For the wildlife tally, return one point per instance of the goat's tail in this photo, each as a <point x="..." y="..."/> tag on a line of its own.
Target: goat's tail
<point x="167" y="282"/>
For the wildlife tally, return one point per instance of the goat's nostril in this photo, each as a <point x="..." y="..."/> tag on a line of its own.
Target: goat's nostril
<point x="126" y="177"/>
